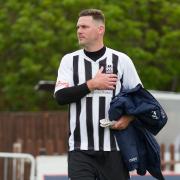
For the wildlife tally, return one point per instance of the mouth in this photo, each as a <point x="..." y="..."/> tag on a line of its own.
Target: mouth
<point x="81" y="37"/>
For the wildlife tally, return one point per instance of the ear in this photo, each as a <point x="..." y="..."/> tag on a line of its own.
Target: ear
<point x="101" y="29"/>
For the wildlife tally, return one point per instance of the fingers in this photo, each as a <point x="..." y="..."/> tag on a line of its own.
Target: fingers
<point x="111" y="85"/>
<point x="112" y="79"/>
<point x="119" y="124"/>
<point x="123" y="122"/>
<point x="116" y="126"/>
<point x="105" y="81"/>
<point x="112" y="76"/>
<point x="110" y="88"/>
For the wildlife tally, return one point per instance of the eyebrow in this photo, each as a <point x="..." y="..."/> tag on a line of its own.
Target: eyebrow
<point x="82" y="25"/>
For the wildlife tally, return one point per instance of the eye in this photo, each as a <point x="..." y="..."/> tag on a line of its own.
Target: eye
<point x="84" y="26"/>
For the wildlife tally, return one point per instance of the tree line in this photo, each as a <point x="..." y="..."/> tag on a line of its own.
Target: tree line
<point x="35" y="34"/>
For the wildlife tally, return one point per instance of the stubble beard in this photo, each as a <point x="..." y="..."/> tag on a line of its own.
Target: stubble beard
<point x="82" y="44"/>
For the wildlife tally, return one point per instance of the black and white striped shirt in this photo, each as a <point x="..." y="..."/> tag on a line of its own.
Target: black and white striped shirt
<point x="84" y="116"/>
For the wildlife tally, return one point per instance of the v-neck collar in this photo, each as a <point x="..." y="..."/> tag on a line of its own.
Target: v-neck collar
<point x="95" y="55"/>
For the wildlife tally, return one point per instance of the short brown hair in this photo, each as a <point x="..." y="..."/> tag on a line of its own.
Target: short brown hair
<point x="95" y="13"/>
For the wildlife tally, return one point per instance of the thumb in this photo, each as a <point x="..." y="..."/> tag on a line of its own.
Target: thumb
<point x="101" y="69"/>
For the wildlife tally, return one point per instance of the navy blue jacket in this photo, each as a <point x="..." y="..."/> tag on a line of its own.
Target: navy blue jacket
<point x="138" y="146"/>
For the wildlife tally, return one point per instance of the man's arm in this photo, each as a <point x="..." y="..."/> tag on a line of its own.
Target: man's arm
<point x="75" y="93"/>
<point x="71" y="94"/>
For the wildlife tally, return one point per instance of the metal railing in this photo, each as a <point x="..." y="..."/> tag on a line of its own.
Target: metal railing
<point x="18" y="161"/>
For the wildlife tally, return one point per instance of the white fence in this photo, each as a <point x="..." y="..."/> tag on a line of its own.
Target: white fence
<point x="17" y="161"/>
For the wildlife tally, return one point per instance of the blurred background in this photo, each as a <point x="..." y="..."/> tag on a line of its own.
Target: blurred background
<point x="35" y="34"/>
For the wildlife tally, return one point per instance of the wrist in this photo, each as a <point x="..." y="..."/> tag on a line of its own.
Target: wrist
<point x="91" y="85"/>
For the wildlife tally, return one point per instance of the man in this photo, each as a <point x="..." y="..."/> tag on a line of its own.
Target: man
<point x="87" y="80"/>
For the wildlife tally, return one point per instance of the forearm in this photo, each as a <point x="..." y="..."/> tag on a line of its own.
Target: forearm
<point x="71" y="94"/>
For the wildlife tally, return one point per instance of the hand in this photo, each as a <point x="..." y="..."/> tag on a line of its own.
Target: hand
<point x="123" y="122"/>
<point x="102" y="81"/>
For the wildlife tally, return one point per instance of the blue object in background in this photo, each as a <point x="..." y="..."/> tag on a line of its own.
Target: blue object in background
<point x="151" y="178"/>
<point x="55" y="177"/>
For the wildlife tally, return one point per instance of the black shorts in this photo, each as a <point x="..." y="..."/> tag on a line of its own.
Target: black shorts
<point x="99" y="165"/>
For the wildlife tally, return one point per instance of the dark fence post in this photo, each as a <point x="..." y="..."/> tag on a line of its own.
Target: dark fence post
<point x="163" y="163"/>
<point x="172" y="159"/>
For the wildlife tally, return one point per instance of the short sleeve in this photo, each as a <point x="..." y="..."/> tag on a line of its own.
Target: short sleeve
<point x="65" y="77"/>
<point x="130" y="75"/>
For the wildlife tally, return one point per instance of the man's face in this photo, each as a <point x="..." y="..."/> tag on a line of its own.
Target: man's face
<point x="88" y="31"/>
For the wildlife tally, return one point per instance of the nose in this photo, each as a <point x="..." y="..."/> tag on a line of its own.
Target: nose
<point x="79" y="30"/>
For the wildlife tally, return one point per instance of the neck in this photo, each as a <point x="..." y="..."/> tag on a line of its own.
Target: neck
<point x="95" y="55"/>
<point x="94" y="47"/>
